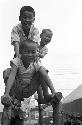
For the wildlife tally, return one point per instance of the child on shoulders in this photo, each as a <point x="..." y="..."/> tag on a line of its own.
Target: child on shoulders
<point x="26" y="67"/>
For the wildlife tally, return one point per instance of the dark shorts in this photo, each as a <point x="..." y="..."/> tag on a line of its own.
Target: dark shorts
<point x="25" y="92"/>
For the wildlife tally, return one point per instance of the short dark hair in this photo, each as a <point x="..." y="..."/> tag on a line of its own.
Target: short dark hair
<point x="25" y="43"/>
<point x="49" y="30"/>
<point x="27" y="8"/>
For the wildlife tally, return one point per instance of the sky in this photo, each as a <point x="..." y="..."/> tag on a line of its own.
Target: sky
<point x="64" y="58"/>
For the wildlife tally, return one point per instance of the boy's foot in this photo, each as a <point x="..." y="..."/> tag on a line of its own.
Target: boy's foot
<point x="57" y="97"/>
<point x="6" y="100"/>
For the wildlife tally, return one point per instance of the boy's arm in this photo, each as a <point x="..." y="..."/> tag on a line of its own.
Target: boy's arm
<point x="43" y="52"/>
<point x="15" y="40"/>
<point x="16" y="48"/>
<point x="47" y="79"/>
<point x="11" y="79"/>
<point x="36" y="35"/>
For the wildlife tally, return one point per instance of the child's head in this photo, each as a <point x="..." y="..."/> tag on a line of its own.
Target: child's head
<point x="28" y="50"/>
<point x="46" y="36"/>
<point x="27" y="16"/>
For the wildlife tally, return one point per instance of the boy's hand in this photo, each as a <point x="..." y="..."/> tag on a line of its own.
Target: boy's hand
<point x="6" y="100"/>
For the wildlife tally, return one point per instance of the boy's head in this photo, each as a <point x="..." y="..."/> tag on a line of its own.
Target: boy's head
<point x="27" y="16"/>
<point x="28" y="50"/>
<point x="46" y="36"/>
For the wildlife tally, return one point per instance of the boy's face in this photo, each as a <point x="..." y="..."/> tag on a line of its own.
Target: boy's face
<point x="27" y="18"/>
<point x="29" y="53"/>
<point x="46" y="37"/>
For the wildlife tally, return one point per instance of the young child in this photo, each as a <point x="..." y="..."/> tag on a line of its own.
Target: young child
<point x="25" y="29"/>
<point x="46" y="37"/>
<point x="25" y="68"/>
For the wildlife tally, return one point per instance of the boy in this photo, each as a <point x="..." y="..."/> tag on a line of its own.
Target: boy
<point x="25" y="29"/>
<point x="42" y="91"/>
<point x="29" y="75"/>
<point x="46" y="37"/>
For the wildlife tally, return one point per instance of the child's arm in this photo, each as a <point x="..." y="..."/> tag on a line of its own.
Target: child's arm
<point x="15" y="40"/>
<point x="16" y="49"/>
<point x="36" y="35"/>
<point x="43" y="52"/>
<point x="11" y="79"/>
<point x="47" y="79"/>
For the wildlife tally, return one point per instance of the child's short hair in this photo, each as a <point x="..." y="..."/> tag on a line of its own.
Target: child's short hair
<point x="25" y="43"/>
<point x="47" y="30"/>
<point x="27" y="8"/>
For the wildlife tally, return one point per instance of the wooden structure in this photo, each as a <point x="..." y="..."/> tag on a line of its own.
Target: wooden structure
<point x="55" y="102"/>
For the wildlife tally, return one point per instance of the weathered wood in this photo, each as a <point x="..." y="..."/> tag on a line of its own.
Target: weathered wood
<point x="56" y="108"/>
<point x="40" y="122"/>
<point x="55" y="102"/>
<point x="56" y="114"/>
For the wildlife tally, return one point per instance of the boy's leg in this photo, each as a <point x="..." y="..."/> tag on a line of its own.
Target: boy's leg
<point x="40" y="99"/>
<point x="44" y="75"/>
<point x="49" y="97"/>
<point x="6" y="99"/>
<point x="46" y="95"/>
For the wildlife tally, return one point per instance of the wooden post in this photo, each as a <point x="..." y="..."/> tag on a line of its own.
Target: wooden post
<point x="29" y="115"/>
<point x="40" y="114"/>
<point x="56" y="115"/>
<point x="56" y="108"/>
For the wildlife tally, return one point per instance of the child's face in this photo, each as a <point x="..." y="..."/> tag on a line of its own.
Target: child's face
<point x="46" y="37"/>
<point x="27" y="19"/>
<point x="29" y="53"/>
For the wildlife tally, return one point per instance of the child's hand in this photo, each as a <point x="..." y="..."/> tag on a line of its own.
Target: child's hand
<point x="6" y="99"/>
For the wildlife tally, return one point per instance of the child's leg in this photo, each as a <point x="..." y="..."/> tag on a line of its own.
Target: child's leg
<point x="43" y="94"/>
<point x="46" y="95"/>
<point x="40" y="98"/>
<point x="46" y="78"/>
<point x="49" y="97"/>
<point x="6" y="98"/>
